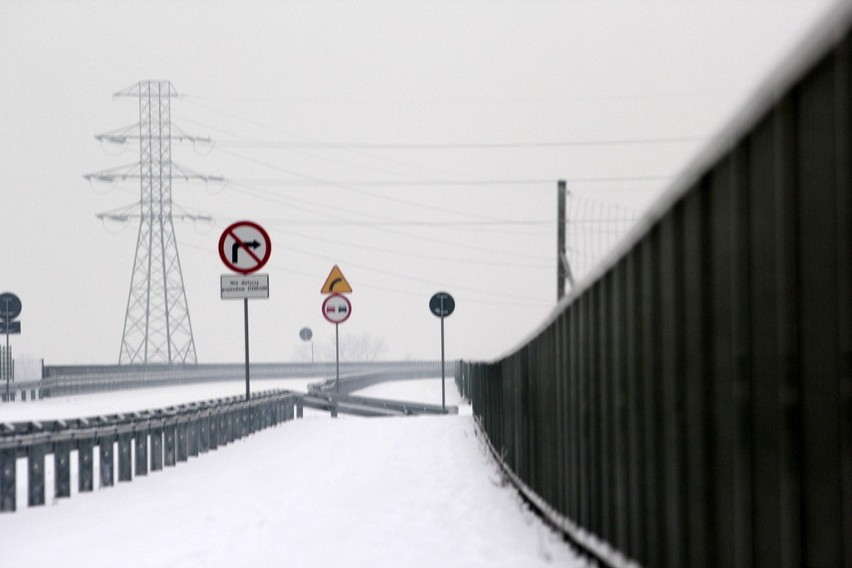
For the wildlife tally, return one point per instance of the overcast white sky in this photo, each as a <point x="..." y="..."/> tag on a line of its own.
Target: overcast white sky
<point x="272" y="82"/>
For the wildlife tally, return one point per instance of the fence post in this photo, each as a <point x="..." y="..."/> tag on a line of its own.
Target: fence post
<point x="7" y="480"/>
<point x="62" y="469"/>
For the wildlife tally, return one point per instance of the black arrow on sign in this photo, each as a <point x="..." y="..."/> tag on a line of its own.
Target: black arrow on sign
<point x="235" y="249"/>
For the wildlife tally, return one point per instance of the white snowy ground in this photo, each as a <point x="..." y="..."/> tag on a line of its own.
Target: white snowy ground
<point x="417" y="491"/>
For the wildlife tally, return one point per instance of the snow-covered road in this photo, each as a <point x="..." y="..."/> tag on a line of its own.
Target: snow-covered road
<point x="418" y="491"/>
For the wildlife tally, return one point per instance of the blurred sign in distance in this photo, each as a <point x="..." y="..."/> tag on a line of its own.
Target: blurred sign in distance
<point x="442" y="304"/>
<point x="10" y="306"/>
<point x="336" y="308"/>
<point x="336" y="283"/>
<point x="306" y="334"/>
<point x="10" y="327"/>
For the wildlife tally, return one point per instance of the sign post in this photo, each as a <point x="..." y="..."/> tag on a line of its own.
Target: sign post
<point x="245" y="247"/>
<point x="337" y="309"/>
<point x="442" y="305"/>
<point x="10" y="308"/>
<point x="305" y="334"/>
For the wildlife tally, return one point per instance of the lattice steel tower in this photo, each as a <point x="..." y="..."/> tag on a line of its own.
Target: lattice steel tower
<point x="157" y="326"/>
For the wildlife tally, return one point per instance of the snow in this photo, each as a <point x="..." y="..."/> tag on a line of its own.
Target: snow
<point x="117" y="402"/>
<point x="415" y="491"/>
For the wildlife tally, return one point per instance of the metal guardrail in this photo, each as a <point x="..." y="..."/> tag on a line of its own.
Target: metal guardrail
<point x="168" y="436"/>
<point x="691" y="404"/>
<point x="352" y="381"/>
<point x="83" y="379"/>
<point x="21" y="391"/>
<point x="368" y="406"/>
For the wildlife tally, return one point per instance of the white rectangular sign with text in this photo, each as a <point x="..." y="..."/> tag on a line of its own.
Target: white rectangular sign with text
<point x="251" y="286"/>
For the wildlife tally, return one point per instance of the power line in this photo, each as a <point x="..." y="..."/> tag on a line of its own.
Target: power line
<point x="467" y="261"/>
<point x="514" y="301"/>
<point x="443" y="242"/>
<point x="447" y="182"/>
<point x="454" y="145"/>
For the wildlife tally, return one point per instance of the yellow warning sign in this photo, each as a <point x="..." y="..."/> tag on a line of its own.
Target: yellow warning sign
<point x="336" y="283"/>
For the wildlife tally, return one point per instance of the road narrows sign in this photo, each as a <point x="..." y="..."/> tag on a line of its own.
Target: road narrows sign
<point x="245" y="247"/>
<point x="336" y="308"/>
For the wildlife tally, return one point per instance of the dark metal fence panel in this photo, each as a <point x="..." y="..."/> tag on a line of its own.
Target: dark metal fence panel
<point x="692" y="406"/>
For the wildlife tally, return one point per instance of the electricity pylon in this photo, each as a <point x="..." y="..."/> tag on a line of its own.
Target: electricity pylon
<point x="157" y="327"/>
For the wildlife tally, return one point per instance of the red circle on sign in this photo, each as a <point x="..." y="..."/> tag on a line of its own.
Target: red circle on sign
<point x="337" y="308"/>
<point x="237" y="251"/>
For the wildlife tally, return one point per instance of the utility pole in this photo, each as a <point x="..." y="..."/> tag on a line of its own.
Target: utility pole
<point x="563" y="268"/>
<point x="157" y="327"/>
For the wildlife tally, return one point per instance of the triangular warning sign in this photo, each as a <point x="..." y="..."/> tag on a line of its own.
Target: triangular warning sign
<point x="336" y="283"/>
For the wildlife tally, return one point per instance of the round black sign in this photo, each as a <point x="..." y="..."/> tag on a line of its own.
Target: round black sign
<point x="10" y="306"/>
<point x="306" y="334"/>
<point x="442" y="304"/>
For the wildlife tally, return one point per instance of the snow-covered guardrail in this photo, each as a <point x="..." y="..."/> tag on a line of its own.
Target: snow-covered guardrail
<point x="367" y="406"/>
<point x="84" y="379"/>
<point x="21" y="390"/>
<point x="168" y="436"/>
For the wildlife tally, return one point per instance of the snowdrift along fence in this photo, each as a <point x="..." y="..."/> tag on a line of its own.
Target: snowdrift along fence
<point x="168" y="436"/>
<point x="692" y="404"/>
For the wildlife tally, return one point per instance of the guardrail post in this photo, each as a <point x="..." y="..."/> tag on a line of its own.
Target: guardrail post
<point x="222" y="427"/>
<point x="232" y="425"/>
<point x="192" y="435"/>
<point x="169" y="443"/>
<point x="35" y="473"/>
<point x="300" y="408"/>
<point x="140" y="437"/>
<point x="157" y="448"/>
<point x="124" y="461"/>
<point x="203" y="432"/>
<point x="62" y="469"/>
<point x="244" y="422"/>
<point x="213" y="420"/>
<point x="7" y="480"/>
<point x="105" y="443"/>
<point x="85" y="465"/>
<point x="180" y="427"/>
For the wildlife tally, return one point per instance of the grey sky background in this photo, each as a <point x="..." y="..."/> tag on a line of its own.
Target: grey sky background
<point x="294" y="95"/>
